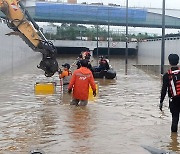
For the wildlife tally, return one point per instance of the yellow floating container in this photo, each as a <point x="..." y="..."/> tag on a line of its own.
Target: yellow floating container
<point x="43" y="88"/>
<point x="91" y="97"/>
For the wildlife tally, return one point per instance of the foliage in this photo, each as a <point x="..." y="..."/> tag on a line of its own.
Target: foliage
<point x="75" y="32"/>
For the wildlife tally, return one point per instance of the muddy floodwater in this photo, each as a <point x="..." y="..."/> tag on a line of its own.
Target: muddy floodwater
<point x="123" y="117"/>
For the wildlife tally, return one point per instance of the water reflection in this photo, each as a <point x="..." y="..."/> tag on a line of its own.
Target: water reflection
<point x="124" y="116"/>
<point x="174" y="144"/>
<point x="47" y="122"/>
<point x="65" y="98"/>
<point x="105" y="82"/>
<point x="82" y="124"/>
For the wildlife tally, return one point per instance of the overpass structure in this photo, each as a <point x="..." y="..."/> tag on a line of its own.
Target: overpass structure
<point x="101" y="15"/>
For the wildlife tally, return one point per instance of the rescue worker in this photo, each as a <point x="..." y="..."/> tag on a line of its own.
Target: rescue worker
<point x="103" y="64"/>
<point x="107" y="59"/>
<point x="65" y="74"/>
<point x="87" y="55"/>
<point x="84" y="55"/>
<point x="80" y="81"/>
<point x="173" y="90"/>
<point x="78" y="63"/>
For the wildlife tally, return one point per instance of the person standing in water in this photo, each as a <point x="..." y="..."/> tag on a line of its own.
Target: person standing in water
<point x="65" y="76"/>
<point x="171" y="83"/>
<point x="79" y="83"/>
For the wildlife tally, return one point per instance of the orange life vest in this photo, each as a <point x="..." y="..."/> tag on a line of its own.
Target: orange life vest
<point x="174" y="82"/>
<point x="80" y="81"/>
<point x="65" y="73"/>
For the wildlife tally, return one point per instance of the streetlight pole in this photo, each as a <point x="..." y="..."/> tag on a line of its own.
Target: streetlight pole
<point x="126" y="52"/>
<point x="108" y="33"/>
<point x="97" y="43"/>
<point x="163" y="38"/>
<point x="97" y="36"/>
<point x="80" y="34"/>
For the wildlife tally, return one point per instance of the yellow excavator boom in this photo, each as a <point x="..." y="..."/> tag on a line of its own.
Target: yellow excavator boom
<point x="19" y="20"/>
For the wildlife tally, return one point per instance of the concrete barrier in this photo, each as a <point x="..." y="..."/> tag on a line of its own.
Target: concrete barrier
<point x="13" y="50"/>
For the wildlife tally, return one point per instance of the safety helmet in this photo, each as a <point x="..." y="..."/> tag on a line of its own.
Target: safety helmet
<point x="66" y="65"/>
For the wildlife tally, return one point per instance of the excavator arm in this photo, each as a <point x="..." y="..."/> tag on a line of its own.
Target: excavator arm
<point x="19" y="20"/>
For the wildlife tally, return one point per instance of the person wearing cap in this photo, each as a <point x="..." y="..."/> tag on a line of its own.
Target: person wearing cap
<point x="65" y="74"/>
<point x="171" y="87"/>
<point x="79" y="83"/>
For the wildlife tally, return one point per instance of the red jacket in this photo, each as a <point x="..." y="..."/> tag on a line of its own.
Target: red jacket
<point x="80" y="81"/>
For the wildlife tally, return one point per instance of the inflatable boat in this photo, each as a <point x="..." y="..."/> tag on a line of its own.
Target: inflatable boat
<point x="108" y="74"/>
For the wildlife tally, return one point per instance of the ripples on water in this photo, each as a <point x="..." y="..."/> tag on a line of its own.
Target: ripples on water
<point x="123" y="117"/>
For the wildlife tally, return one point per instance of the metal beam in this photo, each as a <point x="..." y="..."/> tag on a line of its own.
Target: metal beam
<point x="172" y="22"/>
<point x="163" y="38"/>
<point x="126" y="52"/>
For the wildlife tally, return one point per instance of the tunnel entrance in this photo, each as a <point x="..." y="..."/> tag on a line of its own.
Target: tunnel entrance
<point x="101" y="51"/>
<point x="115" y="51"/>
<point x="70" y="50"/>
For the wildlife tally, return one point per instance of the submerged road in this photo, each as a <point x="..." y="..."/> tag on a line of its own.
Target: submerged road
<point x="123" y="117"/>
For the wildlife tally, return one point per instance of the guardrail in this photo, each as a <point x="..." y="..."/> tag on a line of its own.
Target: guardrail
<point x="159" y="39"/>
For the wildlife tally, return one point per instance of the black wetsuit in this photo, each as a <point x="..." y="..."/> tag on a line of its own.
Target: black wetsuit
<point x="174" y="103"/>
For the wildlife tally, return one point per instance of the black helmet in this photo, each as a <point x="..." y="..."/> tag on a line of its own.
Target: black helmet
<point x="66" y="65"/>
<point x="173" y="59"/>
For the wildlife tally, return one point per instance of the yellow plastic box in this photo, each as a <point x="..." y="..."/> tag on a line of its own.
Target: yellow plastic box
<point x="44" y="88"/>
<point x="91" y="97"/>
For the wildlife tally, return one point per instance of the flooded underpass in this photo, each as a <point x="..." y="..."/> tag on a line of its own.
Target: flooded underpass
<point x="124" y="116"/>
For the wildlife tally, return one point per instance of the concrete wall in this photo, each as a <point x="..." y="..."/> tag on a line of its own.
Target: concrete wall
<point x="92" y="44"/>
<point x="149" y="53"/>
<point x="13" y="50"/>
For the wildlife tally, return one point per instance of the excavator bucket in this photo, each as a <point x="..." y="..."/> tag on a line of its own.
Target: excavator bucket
<point x="19" y="20"/>
<point x="50" y="66"/>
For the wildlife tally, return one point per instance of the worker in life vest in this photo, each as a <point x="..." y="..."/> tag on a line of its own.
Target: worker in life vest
<point x="80" y="57"/>
<point x="84" y="55"/>
<point x="65" y="74"/>
<point x="79" y="83"/>
<point x="171" y="83"/>
<point x="87" y="55"/>
<point x="103" y="64"/>
<point x="108" y="61"/>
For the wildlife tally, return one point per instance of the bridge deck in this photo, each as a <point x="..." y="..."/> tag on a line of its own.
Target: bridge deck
<point x="103" y="15"/>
